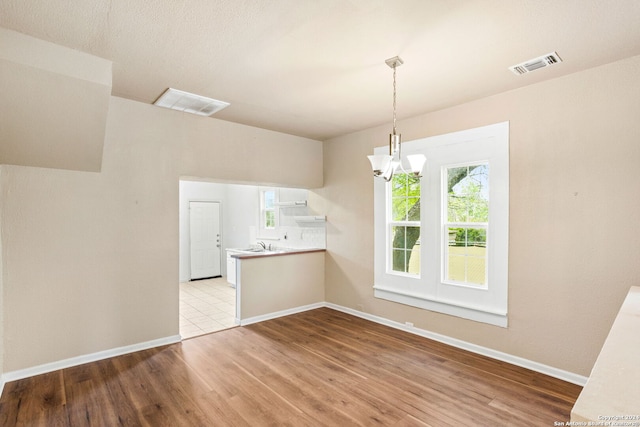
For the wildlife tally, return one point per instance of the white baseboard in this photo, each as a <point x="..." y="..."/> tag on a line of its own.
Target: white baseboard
<point x="79" y="360"/>
<point x="454" y="342"/>
<point x="282" y="313"/>
<point x="474" y="348"/>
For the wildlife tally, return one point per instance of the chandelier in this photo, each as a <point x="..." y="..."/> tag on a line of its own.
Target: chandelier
<point x="384" y="166"/>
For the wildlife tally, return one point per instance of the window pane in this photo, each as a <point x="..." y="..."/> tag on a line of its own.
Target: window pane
<point x="457" y="236"/>
<point x="269" y="199"/>
<point x="413" y="264"/>
<point x="405" y="198"/>
<point x="466" y="255"/>
<point x="406" y="249"/>
<point x="468" y="193"/>
<point x="455" y="266"/>
<point x="454" y="176"/>
<point x="399" y="260"/>
<point x="399" y="209"/>
<point x="413" y="208"/>
<point x="270" y="221"/>
<point x="413" y="185"/>
<point x="477" y="237"/>
<point x="477" y="255"/>
<point x="399" y="185"/>
<point x="398" y="235"/>
<point x="476" y="268"/>
<point x="406" y="209"/>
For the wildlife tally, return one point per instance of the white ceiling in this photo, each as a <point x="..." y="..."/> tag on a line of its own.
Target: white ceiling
<point x="316" y="68"/>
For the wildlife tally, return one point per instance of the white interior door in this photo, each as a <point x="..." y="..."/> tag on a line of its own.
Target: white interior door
<point x="204" y="231"/>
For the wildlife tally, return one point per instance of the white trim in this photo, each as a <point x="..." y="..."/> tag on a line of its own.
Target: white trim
<point x="276" y="314"/>
<point x="87" y="358"/>
<point x="474" y="348"/>
<point x="453" y="308"/>
<point x="454" y="342"/>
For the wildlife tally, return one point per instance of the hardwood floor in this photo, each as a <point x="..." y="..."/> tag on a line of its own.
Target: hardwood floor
<point x="318" y="368"/>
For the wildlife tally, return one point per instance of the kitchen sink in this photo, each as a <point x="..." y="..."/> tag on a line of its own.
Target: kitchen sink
<point x="264" y="251"/>
<point x="256" y="251"/>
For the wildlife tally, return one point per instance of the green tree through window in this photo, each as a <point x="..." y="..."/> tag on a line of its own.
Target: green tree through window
<point x="405" y="223"/>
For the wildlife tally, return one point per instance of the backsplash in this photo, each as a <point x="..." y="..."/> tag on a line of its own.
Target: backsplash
<point x="298" y="237"/>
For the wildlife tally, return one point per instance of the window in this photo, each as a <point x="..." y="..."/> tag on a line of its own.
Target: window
<point x="268" y="210"/>
<point x="404" y="224"/>
<point x="466" y="201"/>
<point x="441" y="242"/>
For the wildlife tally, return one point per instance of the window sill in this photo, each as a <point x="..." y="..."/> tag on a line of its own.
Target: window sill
<point x="478" y="314"/>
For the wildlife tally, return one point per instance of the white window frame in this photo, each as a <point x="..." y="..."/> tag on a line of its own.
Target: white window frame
<point x="488" y="304"/>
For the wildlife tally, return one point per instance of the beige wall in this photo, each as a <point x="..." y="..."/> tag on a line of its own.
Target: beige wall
<point x="53" y="104"/>
<point x="283" y="282"/>
<point x="246" y="154"/>
<point x="574" y="222"/>
<point x="90" y="260"/>
<point x="1" y="289"/>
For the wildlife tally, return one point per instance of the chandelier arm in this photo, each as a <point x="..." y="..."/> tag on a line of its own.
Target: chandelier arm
<point x="402" y="168"/>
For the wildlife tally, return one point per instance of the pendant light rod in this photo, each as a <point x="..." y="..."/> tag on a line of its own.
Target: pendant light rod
<point x="395" y="140"/>
<point x="394" y="63"/>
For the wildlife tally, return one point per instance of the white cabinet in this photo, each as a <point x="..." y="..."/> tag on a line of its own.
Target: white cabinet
<point x="231" y="269"/>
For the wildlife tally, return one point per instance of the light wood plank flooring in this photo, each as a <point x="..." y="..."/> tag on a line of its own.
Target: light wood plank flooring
<point x="318" y="368"/>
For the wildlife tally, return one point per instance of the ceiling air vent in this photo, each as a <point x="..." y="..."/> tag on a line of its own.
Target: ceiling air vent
<point x="189" y="103"/>
<point x="536" y="63"/>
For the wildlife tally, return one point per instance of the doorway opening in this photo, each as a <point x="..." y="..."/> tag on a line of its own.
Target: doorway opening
<point x="245" y="221"/>
<point x="207" y="301"/>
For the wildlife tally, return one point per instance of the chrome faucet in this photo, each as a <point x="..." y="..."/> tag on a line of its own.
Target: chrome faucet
<point x="264" y="247"/>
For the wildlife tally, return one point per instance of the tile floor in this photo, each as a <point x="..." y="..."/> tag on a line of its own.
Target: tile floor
<point x="206" y="306"/>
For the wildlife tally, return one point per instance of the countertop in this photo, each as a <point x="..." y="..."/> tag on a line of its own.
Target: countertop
<point x="248" y="254"/>
<point x="612" y="393"/>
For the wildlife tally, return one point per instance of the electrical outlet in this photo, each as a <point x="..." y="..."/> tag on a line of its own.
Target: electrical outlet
<point x="409" y="324"/>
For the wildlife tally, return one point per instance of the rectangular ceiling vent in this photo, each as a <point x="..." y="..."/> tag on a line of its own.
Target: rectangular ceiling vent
<point x="189" y="103"/>
<point x="536" y="63"/>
